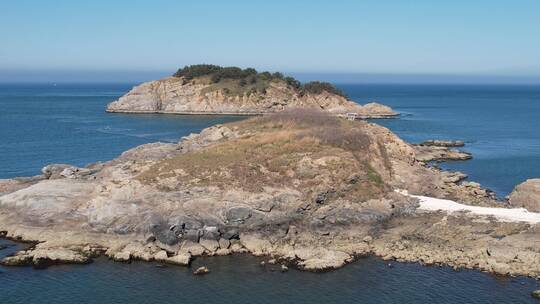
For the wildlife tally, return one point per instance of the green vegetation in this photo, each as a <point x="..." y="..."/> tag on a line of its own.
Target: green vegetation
<point x="237" y="81"/>
<point x="373" y="175"/>
<point x="317" y="87"/>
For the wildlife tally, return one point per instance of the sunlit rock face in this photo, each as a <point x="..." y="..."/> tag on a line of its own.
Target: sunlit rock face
<point x="176" y="95"/>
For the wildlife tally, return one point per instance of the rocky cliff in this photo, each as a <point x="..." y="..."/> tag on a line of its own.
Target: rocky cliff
<point x="309" y="189"/>
<point x="251" y="95"/>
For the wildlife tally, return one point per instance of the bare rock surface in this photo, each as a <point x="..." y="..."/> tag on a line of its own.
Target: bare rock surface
<point x="527" y="195"/>
<point x="431" y="152"/>
<point x="180" y="96"/>
<point x="303" y="187"/>
<point x="201" y="270"/>
<point x="443" y="143"/>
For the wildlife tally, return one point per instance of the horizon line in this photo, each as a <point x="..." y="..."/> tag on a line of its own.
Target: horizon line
<point x="12" y="76"/>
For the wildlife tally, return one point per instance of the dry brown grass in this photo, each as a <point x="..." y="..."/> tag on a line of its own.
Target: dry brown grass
<point x="328" y="129"/>
<point x="279" y="150"/>
<point x="302" y="117"/>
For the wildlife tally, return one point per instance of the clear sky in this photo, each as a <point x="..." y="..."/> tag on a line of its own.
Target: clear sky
<point x="458" y="37"/>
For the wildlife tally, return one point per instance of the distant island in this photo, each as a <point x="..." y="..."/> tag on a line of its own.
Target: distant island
<point x="211" y="89"/>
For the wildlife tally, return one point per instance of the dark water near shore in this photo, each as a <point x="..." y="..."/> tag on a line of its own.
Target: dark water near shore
<point x="241" y="279"/>
<point x="67" y="124"/>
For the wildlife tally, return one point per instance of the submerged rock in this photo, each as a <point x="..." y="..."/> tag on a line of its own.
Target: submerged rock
<point x="201" y="270"/>
<point x="5" y="246"/>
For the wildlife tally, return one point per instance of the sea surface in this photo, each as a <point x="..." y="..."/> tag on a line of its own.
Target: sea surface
<point x="42" y="124"/>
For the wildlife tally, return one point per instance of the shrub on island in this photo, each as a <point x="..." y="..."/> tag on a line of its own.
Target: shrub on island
<point x="237" y="81"/>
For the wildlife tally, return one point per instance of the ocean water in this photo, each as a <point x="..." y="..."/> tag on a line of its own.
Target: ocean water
<point x="241" y="279"/>
<point x="42" y="124"/>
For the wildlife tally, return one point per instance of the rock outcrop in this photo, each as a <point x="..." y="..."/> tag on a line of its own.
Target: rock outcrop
<point x="201" y="270"/>
<point x="303" y="187"/>
<point x="443" y="143"/>
<point x="527" y="195"/>
<point x="179" y="96"/>
<point x="440" y="151"/>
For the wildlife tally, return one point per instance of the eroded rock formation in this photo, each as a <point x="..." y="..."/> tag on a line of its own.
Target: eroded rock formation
<point x="527" y="195"/>
<point x="176" y="95"/>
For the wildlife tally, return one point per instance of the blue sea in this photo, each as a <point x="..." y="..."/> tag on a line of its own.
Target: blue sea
<point x="42" y="124"/>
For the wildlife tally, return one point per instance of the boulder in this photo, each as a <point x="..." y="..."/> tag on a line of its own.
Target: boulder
<point x="453" y="177"/>
<point x="321" y="259"/>
<point x="376" y="110"/>
<point x="195" y="249"/>
<point x="161" y="256"/>
<point x="53" y="171"/>
<point x="255" y="244"/>
<point x="209" y="245"/>
<point x="238" y="215"/>
<point x="527" y="195"/>
<point x="224" y="243"/>
<point x="122" y="256"/>
<point x="182" y="259"/>
<point x="201" y="270"/>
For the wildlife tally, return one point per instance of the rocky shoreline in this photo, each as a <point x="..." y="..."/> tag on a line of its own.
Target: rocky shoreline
<point x="312" y="191"/>
<point x="438" y="151"/>
<point x="344" y="115"/>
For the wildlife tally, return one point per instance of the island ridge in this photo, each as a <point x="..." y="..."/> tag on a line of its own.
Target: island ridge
<point x="210" y="89"/>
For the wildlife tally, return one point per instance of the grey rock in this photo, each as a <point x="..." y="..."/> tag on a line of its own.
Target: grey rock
<point x="231" y="233"/>
<point x="54" y="170"/>
<point x="443" y="143"/>
<point x="201" y="270"/>
<point x="238" y="215"/>
<point x="224" y="243"/>
<point x="527" y="195"/>
<point x="192" y="235"/>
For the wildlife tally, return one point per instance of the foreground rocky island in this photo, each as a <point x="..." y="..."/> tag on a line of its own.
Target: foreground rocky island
<point x="306" y="188"/>
<point x="209" y="89"/>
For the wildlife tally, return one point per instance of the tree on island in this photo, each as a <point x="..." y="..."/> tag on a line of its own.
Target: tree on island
<point x="249" y="78"/>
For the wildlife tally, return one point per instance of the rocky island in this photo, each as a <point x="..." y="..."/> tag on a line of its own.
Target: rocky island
<point x="210" y="89"/>
<point x="302" y="186"/>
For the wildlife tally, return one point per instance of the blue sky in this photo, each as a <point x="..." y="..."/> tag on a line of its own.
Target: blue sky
<point x="493" y="38"/>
